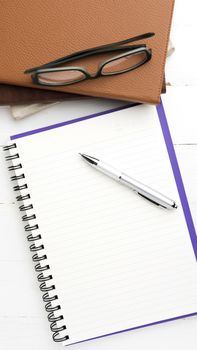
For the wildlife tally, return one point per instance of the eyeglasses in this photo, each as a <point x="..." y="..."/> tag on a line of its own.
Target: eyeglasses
<point x="129" y="58"/>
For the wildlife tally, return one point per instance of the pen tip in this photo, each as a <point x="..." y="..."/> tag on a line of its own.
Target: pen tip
<point x="89" y="159"/>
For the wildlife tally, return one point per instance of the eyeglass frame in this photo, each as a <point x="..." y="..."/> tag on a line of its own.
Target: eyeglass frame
<point x="132" y="49"/>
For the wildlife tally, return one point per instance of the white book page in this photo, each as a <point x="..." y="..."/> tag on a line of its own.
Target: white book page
<point x="117" y="260"/>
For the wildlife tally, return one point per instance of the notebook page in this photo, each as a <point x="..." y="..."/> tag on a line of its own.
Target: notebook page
<point x="118" y="261"/>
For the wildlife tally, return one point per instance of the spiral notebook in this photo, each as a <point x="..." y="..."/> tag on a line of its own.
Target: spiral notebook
<point x="107" y="260"/>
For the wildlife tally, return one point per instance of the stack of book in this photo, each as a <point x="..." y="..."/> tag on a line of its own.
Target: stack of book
<point x="36" y="34"/>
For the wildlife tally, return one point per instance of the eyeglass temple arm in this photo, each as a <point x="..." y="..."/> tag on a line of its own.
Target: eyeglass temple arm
<point x="87" y="52"/>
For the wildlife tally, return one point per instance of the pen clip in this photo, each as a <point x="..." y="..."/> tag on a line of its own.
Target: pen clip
<point x="151" y="200"/>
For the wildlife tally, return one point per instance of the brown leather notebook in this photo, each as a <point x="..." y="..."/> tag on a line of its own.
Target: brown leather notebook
<point x="16" y="95"/>
<point x="34" y="33"/>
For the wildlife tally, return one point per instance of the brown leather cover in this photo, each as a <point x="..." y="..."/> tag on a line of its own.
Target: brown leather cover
<point x="35" y="32"/>
<point x="16" y="95"/>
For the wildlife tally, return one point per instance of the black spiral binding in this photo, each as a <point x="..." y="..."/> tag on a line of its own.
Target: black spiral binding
<point x="34" y="248"/>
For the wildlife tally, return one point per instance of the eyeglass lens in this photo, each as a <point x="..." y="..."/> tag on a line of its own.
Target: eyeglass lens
<point x="61" y="77"/>
<point x="124" y="63"/>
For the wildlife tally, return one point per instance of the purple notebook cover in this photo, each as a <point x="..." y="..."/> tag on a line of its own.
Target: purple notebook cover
<point x="177" y="177"/>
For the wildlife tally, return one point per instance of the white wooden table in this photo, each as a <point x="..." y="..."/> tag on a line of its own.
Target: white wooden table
<point x="23" y="323"/>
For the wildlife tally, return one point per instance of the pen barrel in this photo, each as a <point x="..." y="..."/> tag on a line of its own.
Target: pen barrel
<point x="137" y="186"/>
<point x="147" y="192"/>
<point x="109" y="170"/>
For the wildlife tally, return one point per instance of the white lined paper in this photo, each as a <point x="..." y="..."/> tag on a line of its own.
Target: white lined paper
<point x="117" y="260"/>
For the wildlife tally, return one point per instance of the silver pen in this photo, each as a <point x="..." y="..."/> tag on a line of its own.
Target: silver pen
<point x="138" y="187"/>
